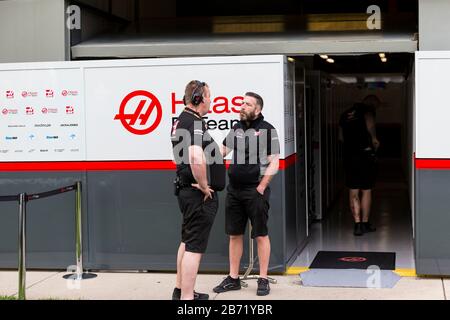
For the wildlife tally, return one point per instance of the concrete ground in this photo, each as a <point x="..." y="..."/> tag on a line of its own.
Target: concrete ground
<point x="159" y="286"/>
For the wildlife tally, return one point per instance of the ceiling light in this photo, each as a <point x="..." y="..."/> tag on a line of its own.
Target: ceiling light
<point x="324" y="56"/>
<point x="330" y="60"/>
<point x="382" y="55"/>
<point x="384" y="59"/>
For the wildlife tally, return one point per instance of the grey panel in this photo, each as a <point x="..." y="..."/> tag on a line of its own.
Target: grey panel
<point x="32" y="30"/>
<point x="434" y="25"/>
<point x="50" y="221"/>
<point x="135" y="223"/>
<point x="131" y="222"/>
<point x="432" y="222"/>
<point x="126" y="46"/>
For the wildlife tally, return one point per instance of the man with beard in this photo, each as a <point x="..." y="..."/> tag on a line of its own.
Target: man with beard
<point x="255" y="161"/>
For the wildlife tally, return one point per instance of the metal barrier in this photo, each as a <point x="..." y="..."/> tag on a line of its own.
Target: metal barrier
<point x="23" y="198"/>
<point x="251" y="260"/>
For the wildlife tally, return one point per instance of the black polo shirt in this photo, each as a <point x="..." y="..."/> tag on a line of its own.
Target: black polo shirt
<point x="188" y="130"/>
<point x="252" y="144"/>
<point x="354" y="128"/>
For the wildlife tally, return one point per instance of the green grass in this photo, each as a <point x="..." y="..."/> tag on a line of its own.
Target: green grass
<point x="8" y="298"/>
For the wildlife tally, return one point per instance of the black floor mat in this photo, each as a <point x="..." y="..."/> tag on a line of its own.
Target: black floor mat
<point x="353" y="260"/>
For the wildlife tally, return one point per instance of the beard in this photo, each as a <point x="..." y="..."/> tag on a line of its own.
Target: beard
<point x="247" y="116"/>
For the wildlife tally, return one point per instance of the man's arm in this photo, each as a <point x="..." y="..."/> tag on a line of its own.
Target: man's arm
<point x="197" y="162"/>
<point x="271" y="171"/>
<point x="370" y="124"/>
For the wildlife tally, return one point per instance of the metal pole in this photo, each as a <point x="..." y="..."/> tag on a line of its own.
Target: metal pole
<point x="251" y="259"/>
<point x="79" y="231"/>
<point x="22" y="244"/>
<point x="79" y="274"/>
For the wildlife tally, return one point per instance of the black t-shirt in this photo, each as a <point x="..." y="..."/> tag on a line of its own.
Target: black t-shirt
<point x="251" y="145"/>
<point x="189" y="130"/>
<point x="354" y="128"/>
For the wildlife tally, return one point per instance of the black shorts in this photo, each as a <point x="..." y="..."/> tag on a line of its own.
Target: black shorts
<point x="198" y="218"/>
<point x="243" y="204"/>
<point x="360" y="170"/>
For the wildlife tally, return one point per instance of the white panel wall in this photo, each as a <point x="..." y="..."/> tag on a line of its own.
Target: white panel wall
<point x="97" y="89"/>
<point x="433" y="104"/>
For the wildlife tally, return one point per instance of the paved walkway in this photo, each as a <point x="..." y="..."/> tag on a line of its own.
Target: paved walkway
<point x="159" y="286"/>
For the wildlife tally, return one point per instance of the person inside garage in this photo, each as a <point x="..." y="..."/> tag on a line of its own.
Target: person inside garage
<point x="360" y="144"/>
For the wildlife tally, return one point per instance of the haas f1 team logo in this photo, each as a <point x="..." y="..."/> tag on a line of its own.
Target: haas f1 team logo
<point x="136" y="118"/>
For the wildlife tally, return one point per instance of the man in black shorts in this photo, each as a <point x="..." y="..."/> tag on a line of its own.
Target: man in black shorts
<point x="357" y="131"/>
<point x="255" y="162"/>
<point x="196" y="197"/>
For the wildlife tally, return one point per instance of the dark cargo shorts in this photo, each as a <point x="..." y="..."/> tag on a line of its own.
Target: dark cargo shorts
<point x="243" y="204"/>
<point x="198" y="218"/>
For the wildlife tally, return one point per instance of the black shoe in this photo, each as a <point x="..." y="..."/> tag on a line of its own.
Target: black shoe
<point x="357" y="231"/>
<point x="228" y="284"/>
<point x="176" y="295"/>
<point x="263" y="287"/>
<point x="367" y="227"/>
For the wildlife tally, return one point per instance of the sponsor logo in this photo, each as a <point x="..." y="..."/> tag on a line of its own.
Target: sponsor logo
<point x="135" y="111"/>
<point x="29" y="111"/>
<point x="73" y="136"/>
<point x="43" y="150"/>
<point x="26" y="94"/>
<point x="18" y="151"/>
<point x="69" y="125"/>
<point x="9" y="94"/>
<point x="11" y="138"/>
<point x="74" y="150"/>
<point x="16" y="126"/>
<point x="42" y="125"/>
<point x="6" y="111"/>
<point x="59" y="150"/>
<point x="70" y="110"/>
<point x="51" y="137"/>
<point x="66" y="93"/>
<point x="49" y="93"/>
<point x="32" y="137"/>
<point x="47" y="110"/>
<point x="31" y="150"/>
<point x="353" y="259"/>
<point x="4" y="151"/>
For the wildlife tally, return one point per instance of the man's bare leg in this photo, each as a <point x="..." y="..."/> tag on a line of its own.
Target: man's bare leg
<point x="189" y="269"/>
<point x="366" y="202"/>
<point x="263" y="244"/>
<point x="236" y="248"/>
<point x="181" y="250"/>
<point x="355" y="204"/>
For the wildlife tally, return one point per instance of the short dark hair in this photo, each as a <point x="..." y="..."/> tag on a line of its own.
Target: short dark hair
<point x="192" y="86"/>
<point x="259" y="100"/>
